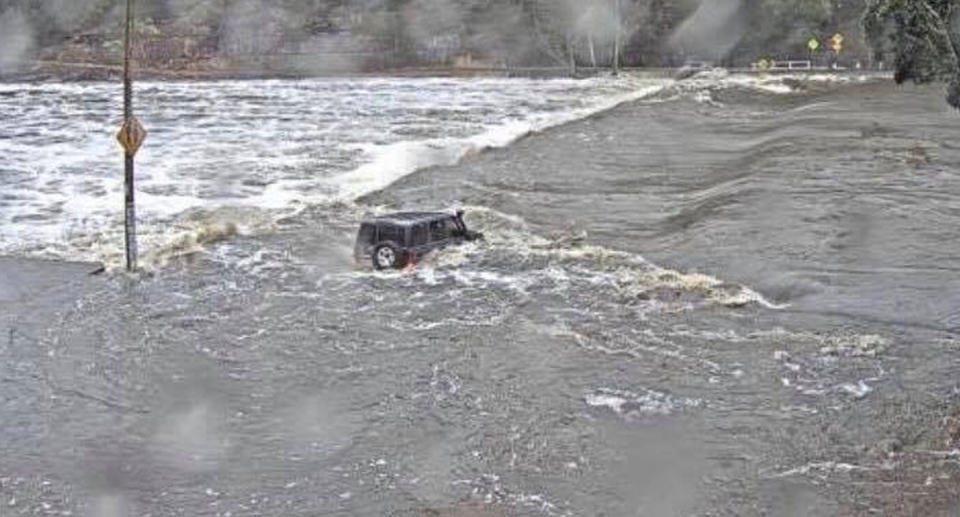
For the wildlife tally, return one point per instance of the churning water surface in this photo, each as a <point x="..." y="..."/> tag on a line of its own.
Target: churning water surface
<point x="728" y="295"/>
<point x="264" y="144"/>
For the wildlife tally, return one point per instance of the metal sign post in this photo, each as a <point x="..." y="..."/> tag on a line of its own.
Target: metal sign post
<point x="131" y="137"/>
<point x="812" y="45"/>
<point x="836" y="42"/>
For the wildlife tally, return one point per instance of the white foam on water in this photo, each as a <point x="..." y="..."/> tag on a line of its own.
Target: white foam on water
<point x="774" y="83"/>
<point x="271" y="145"/>
<point x="630" y="405"/>
<point x="395" y="161"/>
<point x="859" y="390"/>
<point x="280" y="146"/>
<point x="491" y="489"/>
<point x="629" y="273"/>
<point x="821" y="469"/>
<point x="276" y="146"/>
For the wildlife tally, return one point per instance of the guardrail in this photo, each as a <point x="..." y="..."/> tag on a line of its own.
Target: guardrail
<point x="783" y="65"/>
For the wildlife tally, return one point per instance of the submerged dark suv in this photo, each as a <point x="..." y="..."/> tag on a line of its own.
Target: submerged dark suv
<point x="395" y="240"/>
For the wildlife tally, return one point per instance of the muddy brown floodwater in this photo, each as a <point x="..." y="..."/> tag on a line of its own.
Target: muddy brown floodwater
<point x="714" y="300"/>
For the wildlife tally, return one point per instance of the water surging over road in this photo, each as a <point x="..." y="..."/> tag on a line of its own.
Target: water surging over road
<point x="269" y="145"/>
<point x="232" y="157"/>
<point x="575" y="363"/>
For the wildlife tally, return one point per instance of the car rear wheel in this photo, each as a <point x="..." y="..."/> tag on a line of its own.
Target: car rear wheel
<point x="386" y="256"/>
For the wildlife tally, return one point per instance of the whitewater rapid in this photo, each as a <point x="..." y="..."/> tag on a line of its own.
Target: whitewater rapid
<point x="231" y="157"/>
<point x="267" y="145"/>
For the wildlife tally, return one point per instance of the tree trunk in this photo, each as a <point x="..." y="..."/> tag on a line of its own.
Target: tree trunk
<point x="616" y="39"/>
<point x="953" y="88"/>
<point x="593" y="53"/>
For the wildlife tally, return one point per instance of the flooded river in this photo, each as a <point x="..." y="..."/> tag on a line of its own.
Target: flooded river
<point x="727" y="295"/>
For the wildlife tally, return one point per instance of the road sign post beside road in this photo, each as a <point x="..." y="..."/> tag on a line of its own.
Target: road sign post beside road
<point x="131" y="137"/>
<point x="813" y="44"/>
<point x="836" y="42"/>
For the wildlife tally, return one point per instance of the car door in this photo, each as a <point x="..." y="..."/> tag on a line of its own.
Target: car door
<point x="419" y="239"/>
<point x="393" y="234"/>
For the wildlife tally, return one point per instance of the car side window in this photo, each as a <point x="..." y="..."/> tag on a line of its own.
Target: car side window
<point x="391" y="233"/>
<point x="420" y="235"/>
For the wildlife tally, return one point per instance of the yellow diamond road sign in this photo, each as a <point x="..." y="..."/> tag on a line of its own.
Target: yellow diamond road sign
<point x="837" y="42"/>
<point x="813" y="44"/>
<point x="132" y="135"/>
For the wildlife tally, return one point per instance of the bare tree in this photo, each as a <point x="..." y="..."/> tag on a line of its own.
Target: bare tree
<point x="922" y="35"/>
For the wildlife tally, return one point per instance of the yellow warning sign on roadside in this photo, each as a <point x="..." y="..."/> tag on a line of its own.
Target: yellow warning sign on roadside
<point x="131" y="135"/>
<point x="813" y="44"/>
<point x="836" y="42"/>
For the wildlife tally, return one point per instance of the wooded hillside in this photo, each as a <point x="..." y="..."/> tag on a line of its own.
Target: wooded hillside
<point x="376" y="34"/>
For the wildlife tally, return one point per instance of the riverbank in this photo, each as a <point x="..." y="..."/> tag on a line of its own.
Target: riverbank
<point x="44" y="71"/>
<point x="38" y="71"/>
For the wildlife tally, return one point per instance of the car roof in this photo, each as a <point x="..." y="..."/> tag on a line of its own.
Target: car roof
<point x="408" y="218"/>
